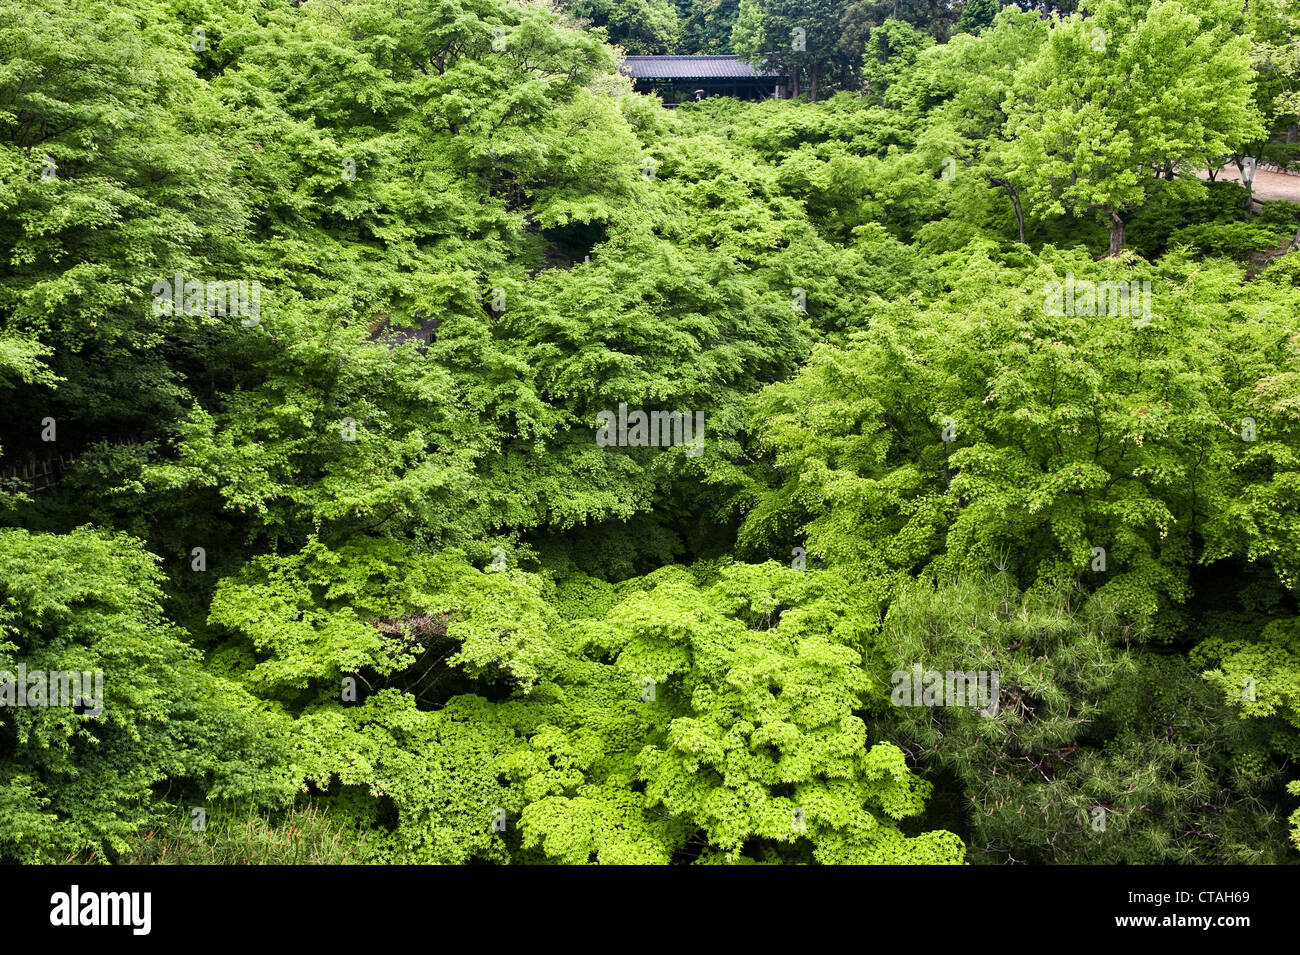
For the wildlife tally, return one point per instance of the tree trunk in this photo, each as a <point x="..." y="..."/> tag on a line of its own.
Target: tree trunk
<point x="1249" y="183"/>
<point x="1020" y="216"/>
<point x="813" y="83"/>
<point x="1014" y="195"/>
<point x="1116" y="234"/>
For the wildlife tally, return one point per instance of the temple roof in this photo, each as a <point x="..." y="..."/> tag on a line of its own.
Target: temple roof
<point x="691" y="68"/>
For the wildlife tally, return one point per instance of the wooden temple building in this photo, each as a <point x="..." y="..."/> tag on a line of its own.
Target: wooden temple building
<point x="680" y="79"/>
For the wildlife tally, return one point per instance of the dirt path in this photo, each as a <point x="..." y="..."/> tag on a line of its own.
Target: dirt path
<point x="1268" y="185"/>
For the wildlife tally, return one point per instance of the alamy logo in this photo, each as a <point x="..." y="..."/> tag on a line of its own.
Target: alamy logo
<point x="973" y="688"/>
<point x="103" y="908"/>
<point x="192" y="297"/>
<point x="53" y="688"/>
<point x="1114" y="299"/>
<point x="654" y="429"/>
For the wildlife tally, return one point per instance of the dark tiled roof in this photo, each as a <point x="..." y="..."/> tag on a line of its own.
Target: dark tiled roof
<point x="689" y="68"/>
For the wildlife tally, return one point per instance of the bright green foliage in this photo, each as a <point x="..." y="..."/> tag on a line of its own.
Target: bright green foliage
<point x="748" y="36"/>
<point x="437" y="768"/>
<point x="72" y="783"/>
<point x="762" y="691"/>
<point x="748" y="715"/>
<point x="1275" y="56"/>
<point x="1067" y="433"/>
<point x="1294" y="789"/>
<point x="110" y="178"/>
<point x="1259" y="679"/>
<point x="313" y="615"/>
<point x="1129" y="91"/>
<point x="892" y="48"/>
<point x="366" y="588"/>
<point x="488" y="431"/>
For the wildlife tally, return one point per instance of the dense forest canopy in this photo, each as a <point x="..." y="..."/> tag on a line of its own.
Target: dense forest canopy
<point x="446" y="454"/>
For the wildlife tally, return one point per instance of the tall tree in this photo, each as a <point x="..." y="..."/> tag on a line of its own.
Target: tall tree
<point x="1275" y="53"/>
<point x="1119" y="95"/>
<point x="977" y="14"/>
<point x="639" y="26"/>
<point x="799" y="36"/>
